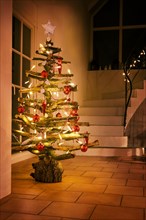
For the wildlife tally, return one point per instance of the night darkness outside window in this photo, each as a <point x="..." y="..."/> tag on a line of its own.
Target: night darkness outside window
<point x="21" y="58"/>
<point x="117" y="33"/>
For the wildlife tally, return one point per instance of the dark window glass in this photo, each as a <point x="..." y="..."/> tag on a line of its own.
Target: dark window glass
<point x="15" y="95"/>
<point x="134" y="40"/>
<point x="15" y="69"/>
<point x="105" y="49"/>
<point x="108" y="15"/>
<point x="16" y="33"/>
<point x="134" y="12"/>
<point x="26" y="40"/>
<point x="25" y="66"/>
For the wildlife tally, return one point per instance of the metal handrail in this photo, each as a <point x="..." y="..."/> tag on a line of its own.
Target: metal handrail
<point x="128" y="83"/>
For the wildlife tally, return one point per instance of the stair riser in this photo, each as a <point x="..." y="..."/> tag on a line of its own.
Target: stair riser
<point x="114" y="131"/>
<point x="102" y="120"/>
<point x="101" y="111"/>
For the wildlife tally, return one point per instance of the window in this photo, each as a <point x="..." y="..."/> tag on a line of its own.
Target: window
<point x="118" y="33"/>
<point x="21" y="53"/>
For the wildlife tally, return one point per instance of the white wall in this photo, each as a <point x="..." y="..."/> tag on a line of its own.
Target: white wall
<point x="5" y="96"/>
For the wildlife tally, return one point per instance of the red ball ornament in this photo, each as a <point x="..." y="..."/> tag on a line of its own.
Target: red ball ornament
<point x="76" y="128"/>
<point x="36" y="118"/>
<point x="67" y="89"/>
<point x="40" y="147"/>
<point x="84" y="148"/>
<point x="58" y="115"/>
<point x="21" y="109"/>
<point x="44" y="74"/>
<point x="74" y="112"/>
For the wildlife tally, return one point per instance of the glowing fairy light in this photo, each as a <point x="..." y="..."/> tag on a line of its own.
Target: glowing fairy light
<point x="49" y="52"/>
<point x="44" y="135"/>
<point x="60" y="136"/>
<point x="33" y="67"/>
<point x="30" y="92"/>
<point x="79" y="142"/>
<point x="26" y="82"/>
<point x="42" y="48"/>
<point x="65" y="113"/>
<point x="69" y="71"/>
<point x="72" y="84"/>
<point x="30" y="85"/>
<point x="35" y="131"/>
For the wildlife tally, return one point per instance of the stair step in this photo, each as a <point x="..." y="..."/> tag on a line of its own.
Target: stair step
<point x="114" y="131"/>
<point x="102" y="120"/>
<point x="111" y="141"/>
<point x="84" y="111"/>
<point x="111" y="152"/>
<point x="105" y="103"/>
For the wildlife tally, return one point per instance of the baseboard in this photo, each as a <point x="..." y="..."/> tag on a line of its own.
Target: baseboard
<point x="20" y="156"/>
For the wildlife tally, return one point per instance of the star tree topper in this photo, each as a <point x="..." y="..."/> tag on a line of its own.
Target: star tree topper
<point x="49" y="28"/>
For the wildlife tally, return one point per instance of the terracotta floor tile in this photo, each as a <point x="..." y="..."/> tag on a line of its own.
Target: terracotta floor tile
<point x="138" y="166"/>
<point x="24" y="206"/>
<point x="116" y="213"/>
<point x="101" y="187"/>
<point x="92" y="168"/>
<point x="22" y="196"/>
<point x="31" y="217"/>
<point x="134" y="176"/>
<point x="84" y="187"/>
<point x="125" y="190"/>
<point x="78" y="179"/>
<point x="137" y="171"/>
<point x="4" y="215"/>
<point x="125" y="165"/>
<point x="28" y="191"/>
<point x="69" y="210"/>
<point x="65" y="196"/>
<point x="144" y="191"/>
<point x="73" y="173"/>
<point x="98" y="174"/>
<point x="141" y="183"/>
<point x="96" y="198"/>
<point x="116" y="170"/>
<point x="110" y="181"/>
<point x="51" y="186"/>
<point x="134" y="201"/>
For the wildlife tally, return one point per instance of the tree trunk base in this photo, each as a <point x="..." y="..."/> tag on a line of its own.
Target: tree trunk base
<point x="47" y="170"/>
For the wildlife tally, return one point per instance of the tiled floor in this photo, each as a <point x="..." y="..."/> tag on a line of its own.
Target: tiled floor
<point x="92" y="188"/>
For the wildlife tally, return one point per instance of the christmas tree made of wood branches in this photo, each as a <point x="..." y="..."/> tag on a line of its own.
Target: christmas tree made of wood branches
<point x="48" y="115"/>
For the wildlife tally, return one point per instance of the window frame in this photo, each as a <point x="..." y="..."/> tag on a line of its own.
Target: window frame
<point x="21" y="54"/>
<point x="120" y="28"/>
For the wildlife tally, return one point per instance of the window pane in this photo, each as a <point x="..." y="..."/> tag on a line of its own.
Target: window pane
<point x="16" y="34"/>
<point x="105" y="49"/>
<point x="134" y="40"/>
<point x="15" y="69"/>
<point x="26" y="40"/>
<point x="108" y="15"/>
<point x="134" y="12"/>
<point x="25" y="66"/>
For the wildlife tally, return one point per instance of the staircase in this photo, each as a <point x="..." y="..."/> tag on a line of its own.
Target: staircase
<point x="105" y="118"/>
